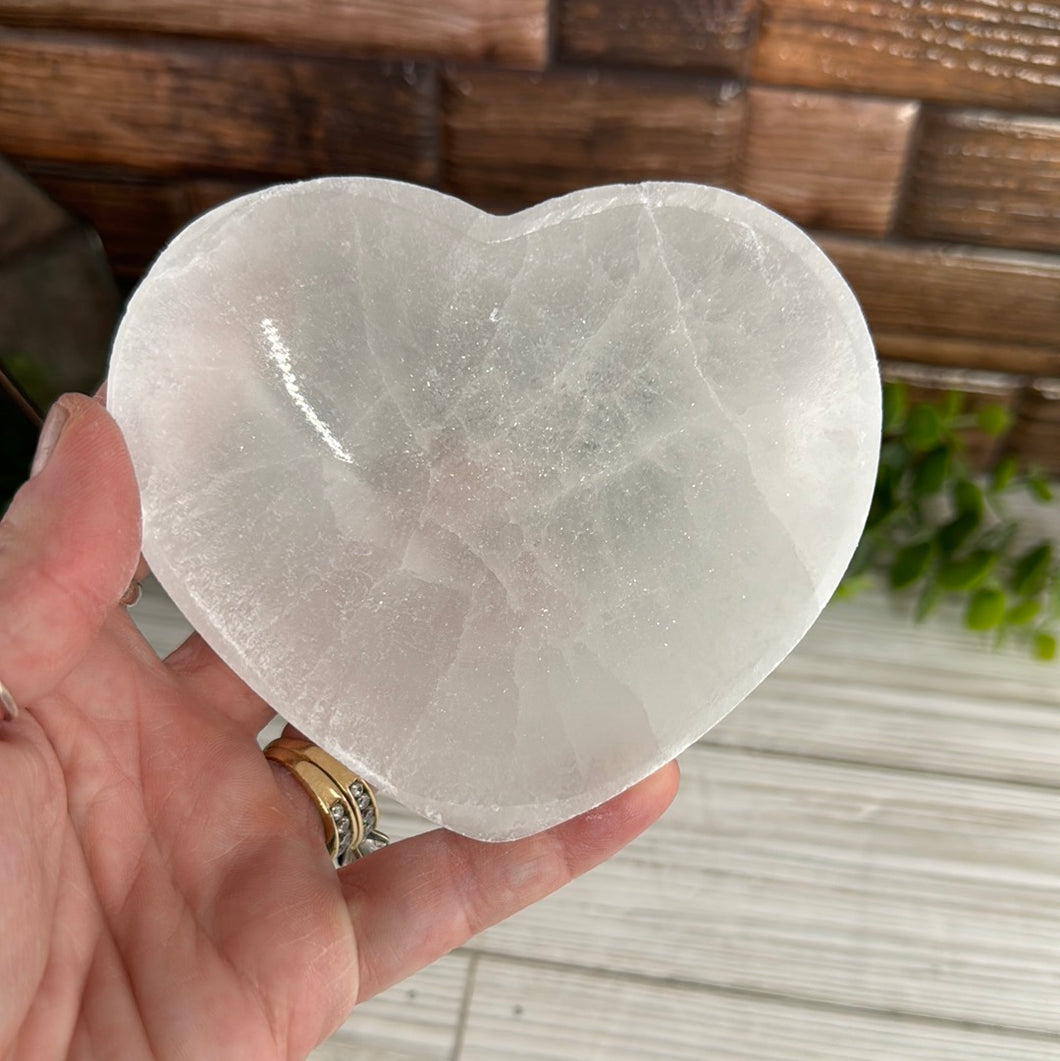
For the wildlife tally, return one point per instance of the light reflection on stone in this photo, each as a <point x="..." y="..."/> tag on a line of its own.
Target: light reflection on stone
<point x="504" y="512"/>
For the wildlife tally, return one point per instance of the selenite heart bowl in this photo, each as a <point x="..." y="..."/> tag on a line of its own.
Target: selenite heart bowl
<point x="503" y="512"/>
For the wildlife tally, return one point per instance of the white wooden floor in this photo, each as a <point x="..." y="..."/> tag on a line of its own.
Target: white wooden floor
<point x="863" y="864"/>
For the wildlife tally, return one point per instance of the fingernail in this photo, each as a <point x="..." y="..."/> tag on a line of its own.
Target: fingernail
<point x="49" y="436"/>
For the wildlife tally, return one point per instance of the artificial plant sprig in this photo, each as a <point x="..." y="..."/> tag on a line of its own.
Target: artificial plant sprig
<point x="937" y="530"/>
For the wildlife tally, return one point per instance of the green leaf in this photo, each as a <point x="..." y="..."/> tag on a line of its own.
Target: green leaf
<point x="1004" y="472"/>
<point x="968" y="499"/>
<point x="1039" y="486"/>
<point x="1031" y="570"/>
<point x="863" y="556"/>
<point x="895" y="404"/>
<point x="894" y="456"/>
<point x="924" y="479"/>
<point x="1044" y="646"/>
<point x="968" y="573"/>
<point x="994" y="419"/>
<point x="930" y="474"/>
<point x="928" y="600"/>
<point x="955" y="533"/>
<point x="1024" y="612"/>
<point x="923" y="428"/>
<point x="850" y="587"/>
<point x="885" y="498"/>
<point x="986" y="609"/>
<point x="952" y="404"/>
<point x="999" y="537"/>
<point x="910" y="563"/>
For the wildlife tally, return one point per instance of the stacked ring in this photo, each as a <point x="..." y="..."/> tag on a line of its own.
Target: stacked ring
<point x="8" y="707"/>
<point x="346" y="804"/>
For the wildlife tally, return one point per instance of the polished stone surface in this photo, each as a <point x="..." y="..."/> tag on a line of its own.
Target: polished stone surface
<point x="504" y="512"/>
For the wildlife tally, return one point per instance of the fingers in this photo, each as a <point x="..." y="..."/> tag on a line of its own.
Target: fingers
<point x="418" y="899"/>
<point x="208" y="677"/>
<point x="69" y="546"/>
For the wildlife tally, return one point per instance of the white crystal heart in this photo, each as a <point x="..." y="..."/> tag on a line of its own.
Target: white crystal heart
<point x="502" y="511"/>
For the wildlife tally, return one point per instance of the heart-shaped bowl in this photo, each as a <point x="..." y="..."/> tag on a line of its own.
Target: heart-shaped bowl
<point x="504" y="512"/>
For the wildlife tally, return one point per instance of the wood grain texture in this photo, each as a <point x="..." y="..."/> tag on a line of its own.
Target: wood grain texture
<point x="969" y="353"/>
<point x="880" y="889"/>
<point x="524" y="1012"/>
<point x="514" y="139"/>
<point x="1036" y="436"/>
<point x="415" y="1020"/>
<point x="501" y="31"/>
<point x="888" y="889"/>
<point x="850" y="897"/>
<point x="930" y="383"/>
<point x="708" y="35"/>
<point x="826" y="161"/>
<point x="176" y="108"/>
<point x="133" y="217"/>
<point x="867" y="685"/>
<point x="959" y="292"/>
<point x="974" y="51"/>
<point x="204" y="194"/>
<point x="986" y="177"/>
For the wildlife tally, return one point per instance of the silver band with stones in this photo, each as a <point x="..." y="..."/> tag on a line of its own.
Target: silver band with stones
<point x="372" y="839"/>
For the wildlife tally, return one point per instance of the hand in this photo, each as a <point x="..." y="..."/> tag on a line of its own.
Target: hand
<point x="165" y="890"/>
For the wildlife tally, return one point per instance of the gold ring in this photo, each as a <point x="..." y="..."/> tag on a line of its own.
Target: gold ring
<point x="8" y="707"/>
<point x="345" y="803"/>
<point x="131" y="597"/>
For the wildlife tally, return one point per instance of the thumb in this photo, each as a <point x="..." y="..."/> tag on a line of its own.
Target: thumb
<point x="69" y="546"/>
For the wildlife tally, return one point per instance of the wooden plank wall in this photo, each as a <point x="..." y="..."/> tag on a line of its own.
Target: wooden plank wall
<point x="921" y="142"/>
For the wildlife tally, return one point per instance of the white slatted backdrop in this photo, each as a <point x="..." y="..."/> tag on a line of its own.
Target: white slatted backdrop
<point x="863" y="863"/>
